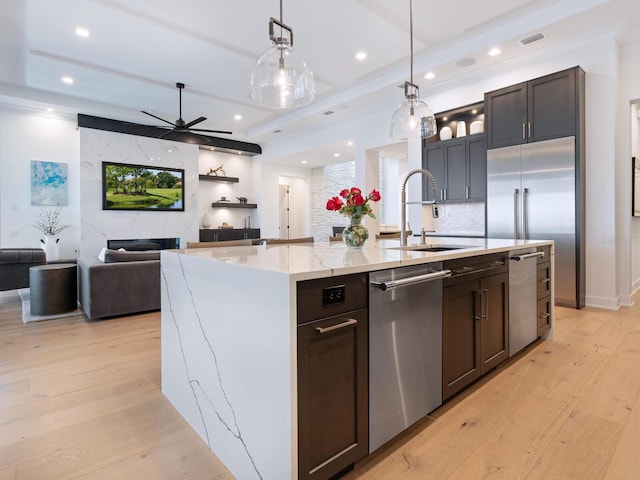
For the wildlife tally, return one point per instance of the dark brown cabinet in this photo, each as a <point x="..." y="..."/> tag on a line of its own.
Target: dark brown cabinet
<point x="540" y="109"/>
<point x="223" y="234"/>
<point x="332" y="375"/>
<point x="475" y="326"/>
<point x="459" y="167"/>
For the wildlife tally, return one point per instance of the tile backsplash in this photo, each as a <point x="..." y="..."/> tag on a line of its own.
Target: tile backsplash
<point x="460" y="219"/>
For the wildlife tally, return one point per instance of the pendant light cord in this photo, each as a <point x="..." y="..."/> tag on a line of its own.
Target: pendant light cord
<point x="281" y="11"/>
<point x="410" y="33"/>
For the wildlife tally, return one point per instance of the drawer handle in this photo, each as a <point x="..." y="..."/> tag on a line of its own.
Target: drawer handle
<point x="527" y="255"/>
<point x="351" y="321"/>
<point x="544" y="316"/>
<point x="545" y="280"/>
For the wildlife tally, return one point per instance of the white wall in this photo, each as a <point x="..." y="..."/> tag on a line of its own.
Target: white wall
<point x="629" y="91"/>
<point x="99" y="225"/>
<point x="27" y="135"/>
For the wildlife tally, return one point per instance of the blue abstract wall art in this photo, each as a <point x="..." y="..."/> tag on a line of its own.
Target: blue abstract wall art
<point x="49" y="183"/>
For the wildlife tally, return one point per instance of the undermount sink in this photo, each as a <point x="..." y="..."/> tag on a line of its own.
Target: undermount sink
<point x="431" y="248"/>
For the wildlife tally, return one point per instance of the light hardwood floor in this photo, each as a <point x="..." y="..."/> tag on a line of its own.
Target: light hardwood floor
<point x="82" y="400"/>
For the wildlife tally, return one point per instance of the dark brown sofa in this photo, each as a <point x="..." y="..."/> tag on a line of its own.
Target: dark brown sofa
<point x="15" y="264"/>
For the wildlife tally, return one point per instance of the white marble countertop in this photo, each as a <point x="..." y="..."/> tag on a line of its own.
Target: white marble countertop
<point x="324" y="259"/>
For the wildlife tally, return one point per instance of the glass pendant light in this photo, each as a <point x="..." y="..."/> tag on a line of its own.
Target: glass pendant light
<point x="280" y="78"/>
<point x="413" y="113"/>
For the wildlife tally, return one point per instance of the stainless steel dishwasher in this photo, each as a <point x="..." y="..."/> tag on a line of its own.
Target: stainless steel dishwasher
<point x="405" y="348"/>
<point x="523" y="306"/>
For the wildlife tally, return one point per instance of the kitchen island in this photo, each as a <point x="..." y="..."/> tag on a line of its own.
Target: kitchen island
<point x="230" y="338"/>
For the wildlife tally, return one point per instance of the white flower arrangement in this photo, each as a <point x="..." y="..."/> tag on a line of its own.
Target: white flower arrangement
<point x="48" y="221"/>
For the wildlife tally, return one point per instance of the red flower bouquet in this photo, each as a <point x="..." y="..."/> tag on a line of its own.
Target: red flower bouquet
<point x="354" y="206"/>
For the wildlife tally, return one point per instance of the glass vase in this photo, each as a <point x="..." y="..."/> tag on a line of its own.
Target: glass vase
<point x="355" y="234"/>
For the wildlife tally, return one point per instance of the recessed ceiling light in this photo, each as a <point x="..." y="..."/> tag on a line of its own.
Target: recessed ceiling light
<point x="212" y="148"/>
<point x="444" y="119"/>
<point x="49" y="109"/>
<point x="430" y="75"/>
<point x="82" y="32"/>
<point x="336" y="155"/>
<point x="494" y="51"/>
<point x="474" y="111"/>
<point x="237" y="117"/>
<point x="67" y="80"/>
<point x="361" y="55"/>
<point x="304" y="162"/>
<point x="349" y="143"/>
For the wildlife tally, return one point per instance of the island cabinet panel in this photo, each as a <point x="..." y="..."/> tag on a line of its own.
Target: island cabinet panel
<point x="540" y="109"/>
<point x="475" y="326"/>
<point x="332" y="378"/>
<point x="543" y="278"/>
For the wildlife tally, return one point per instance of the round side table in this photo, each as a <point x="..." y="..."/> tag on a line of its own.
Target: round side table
<point x="53" y="288"/>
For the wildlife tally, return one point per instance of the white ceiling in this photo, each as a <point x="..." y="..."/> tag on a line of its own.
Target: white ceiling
<point x="138" y="50"/>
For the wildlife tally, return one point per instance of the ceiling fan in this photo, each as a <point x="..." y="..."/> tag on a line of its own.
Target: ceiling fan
<point x="180" y="125"/>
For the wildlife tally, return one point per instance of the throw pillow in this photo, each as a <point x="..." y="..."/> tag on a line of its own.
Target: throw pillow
<point x="113" y="256"/>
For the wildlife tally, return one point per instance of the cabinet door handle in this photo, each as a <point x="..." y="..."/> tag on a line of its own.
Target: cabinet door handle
<point x="485" y="304"/>
<point x="466" y="193"/>
<point x="529" y="129"/>
<point x="351" y="321"/>
<point x="478" y="303"/>
<point x="524" y="133"/>
<point x="441" y="194"/>
<point x="445" y="193"/>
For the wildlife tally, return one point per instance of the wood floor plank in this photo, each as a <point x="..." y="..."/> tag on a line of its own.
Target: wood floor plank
<point x="82" y="400"/>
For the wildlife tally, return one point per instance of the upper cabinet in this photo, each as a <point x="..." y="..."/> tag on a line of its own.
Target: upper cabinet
<point x="539" y="109"/>
<point x="458" y="164"/>
<point x="459" y="167"/>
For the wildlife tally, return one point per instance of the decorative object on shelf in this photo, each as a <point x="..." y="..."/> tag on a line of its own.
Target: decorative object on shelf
<point x="48" y="222"/>
<point x="413" y="113"/>
<point x="354" y="206"/>
<point x="206" y="221"/>
<point x="225" y="225"/>
<point x="214" y="171"/>
<point x="224" y="199"/>
<point x="445" y="133"/>
<point x="280" y="78"/>
<point x="476" y="127"/>
<point x="462" y="129"/>
<point x="242" y="199"/>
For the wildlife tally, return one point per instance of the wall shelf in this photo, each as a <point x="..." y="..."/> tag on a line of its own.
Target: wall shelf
<point x="218" y="178"/>
<point x="233" y="205"/>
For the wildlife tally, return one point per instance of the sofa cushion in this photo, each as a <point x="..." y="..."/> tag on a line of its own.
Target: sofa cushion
<point x="113" y="256"/>
<point x="21" y="255"/>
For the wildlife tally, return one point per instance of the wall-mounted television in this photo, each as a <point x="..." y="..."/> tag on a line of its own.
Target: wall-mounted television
<point x="142" y="187"/>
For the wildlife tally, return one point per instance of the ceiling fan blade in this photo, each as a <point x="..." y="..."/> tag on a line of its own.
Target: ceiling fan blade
<point x="210" y="131"/>
<point x="161" y="119"/>
<point x="194" y="122"/>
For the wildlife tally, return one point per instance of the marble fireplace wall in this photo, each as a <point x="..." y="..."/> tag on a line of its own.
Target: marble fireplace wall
<point x="97" y="225"/>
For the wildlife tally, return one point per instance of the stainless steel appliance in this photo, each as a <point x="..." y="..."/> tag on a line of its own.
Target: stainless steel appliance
<point x="533" y="193"/>
<point x="405" y="348"/>
<point x="523" y="298"/>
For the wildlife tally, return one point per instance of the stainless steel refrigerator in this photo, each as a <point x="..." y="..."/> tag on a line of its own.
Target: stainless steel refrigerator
<point x="534" y="192"/>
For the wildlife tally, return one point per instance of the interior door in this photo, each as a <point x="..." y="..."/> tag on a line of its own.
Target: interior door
<point x="283" y="203"/>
